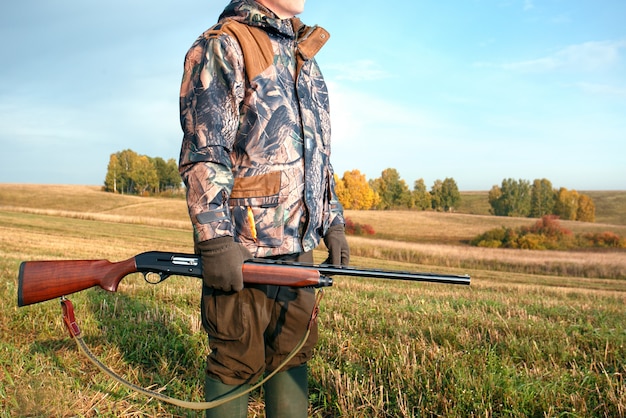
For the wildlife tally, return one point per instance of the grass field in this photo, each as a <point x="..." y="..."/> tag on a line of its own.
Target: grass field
<point x="525" y="339"/>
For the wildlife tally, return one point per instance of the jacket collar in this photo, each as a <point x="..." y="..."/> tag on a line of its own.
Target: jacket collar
<point x="254" y="14"/>
<point x="310" y="39"/>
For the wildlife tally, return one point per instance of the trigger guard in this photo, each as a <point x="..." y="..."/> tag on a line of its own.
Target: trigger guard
<point x="154" y="278"/>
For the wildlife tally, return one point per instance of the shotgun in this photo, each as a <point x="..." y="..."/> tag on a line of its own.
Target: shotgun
<point x="39" y="281"/>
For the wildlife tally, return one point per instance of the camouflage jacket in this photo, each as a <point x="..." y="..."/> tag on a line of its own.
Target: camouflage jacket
<point x="256" y="146"/>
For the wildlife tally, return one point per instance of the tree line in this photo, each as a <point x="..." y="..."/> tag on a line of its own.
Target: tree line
<point x="131" y="173"/>
<point x="390" y="191"/>
<point x="511" y="198"/>
<point x="521" y="198"/>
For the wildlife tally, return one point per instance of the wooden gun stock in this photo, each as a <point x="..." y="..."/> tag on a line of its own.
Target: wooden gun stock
<point x="44" y="280"/>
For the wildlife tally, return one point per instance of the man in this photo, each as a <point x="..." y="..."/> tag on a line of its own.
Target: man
<point x="255" y="160"/>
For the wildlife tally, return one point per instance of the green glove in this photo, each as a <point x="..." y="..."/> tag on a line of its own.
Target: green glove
<point x="222" y="260"/>
<point x="338" y="250"/>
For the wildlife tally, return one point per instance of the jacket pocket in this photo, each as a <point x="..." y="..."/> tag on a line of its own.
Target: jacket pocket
<point x="256" y="209"/>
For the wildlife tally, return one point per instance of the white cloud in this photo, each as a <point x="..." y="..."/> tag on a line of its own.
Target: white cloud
<point x="538" y="65"/>
<point x="562" y="18"/>
<point x="591" y="55"/>
<point x="603" y="89"/>
<point x="362" y="70"/>
<point x="358" y="114"/>
<point x="588" y="56"/>
<point x="528" y="5"/>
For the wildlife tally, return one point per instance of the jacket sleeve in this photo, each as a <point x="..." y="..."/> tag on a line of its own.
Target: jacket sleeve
<point x="210" y="96"/>
<point x="335" y="208"/>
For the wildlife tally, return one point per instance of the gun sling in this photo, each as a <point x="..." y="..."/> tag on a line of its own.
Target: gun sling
<point x="71" y="325"/>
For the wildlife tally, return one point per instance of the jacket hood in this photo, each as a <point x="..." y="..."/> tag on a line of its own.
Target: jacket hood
<point x="254" y="14"/>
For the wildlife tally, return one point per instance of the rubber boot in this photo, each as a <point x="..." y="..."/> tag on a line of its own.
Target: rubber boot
<point x="237" y="408"/>
<point x="287" y="394"/>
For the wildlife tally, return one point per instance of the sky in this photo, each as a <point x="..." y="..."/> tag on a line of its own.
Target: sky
<point x="474" y="90"/>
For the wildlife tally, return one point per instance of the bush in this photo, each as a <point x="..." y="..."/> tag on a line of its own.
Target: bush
<point x="546" y="234"/>
<point x="489" y="243"/>
<point x="355" y="228"/>
<point x="496" y="238"/>
<point x="602" y="240"/>
<point x="548" y="226"/>
<point x="532" y="241"/>
<point x="490" y="238"/>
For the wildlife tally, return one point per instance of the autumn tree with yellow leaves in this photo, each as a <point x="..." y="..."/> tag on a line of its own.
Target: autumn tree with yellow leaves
<point x="354" y="192"/>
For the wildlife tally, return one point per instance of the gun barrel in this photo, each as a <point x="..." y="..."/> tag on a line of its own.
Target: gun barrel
<point x="330" y="269"/>
<point x="398" y="275"/>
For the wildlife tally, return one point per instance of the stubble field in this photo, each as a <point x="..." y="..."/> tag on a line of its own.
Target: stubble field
<point x="525" y="339"/>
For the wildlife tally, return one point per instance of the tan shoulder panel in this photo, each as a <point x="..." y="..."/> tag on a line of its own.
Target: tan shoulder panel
<point x="258" y="53"/>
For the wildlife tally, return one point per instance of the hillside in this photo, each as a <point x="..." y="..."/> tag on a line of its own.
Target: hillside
<point x="610" y="205"/>
<point x="91" y="200"/>
<point x="430" y="227"/>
